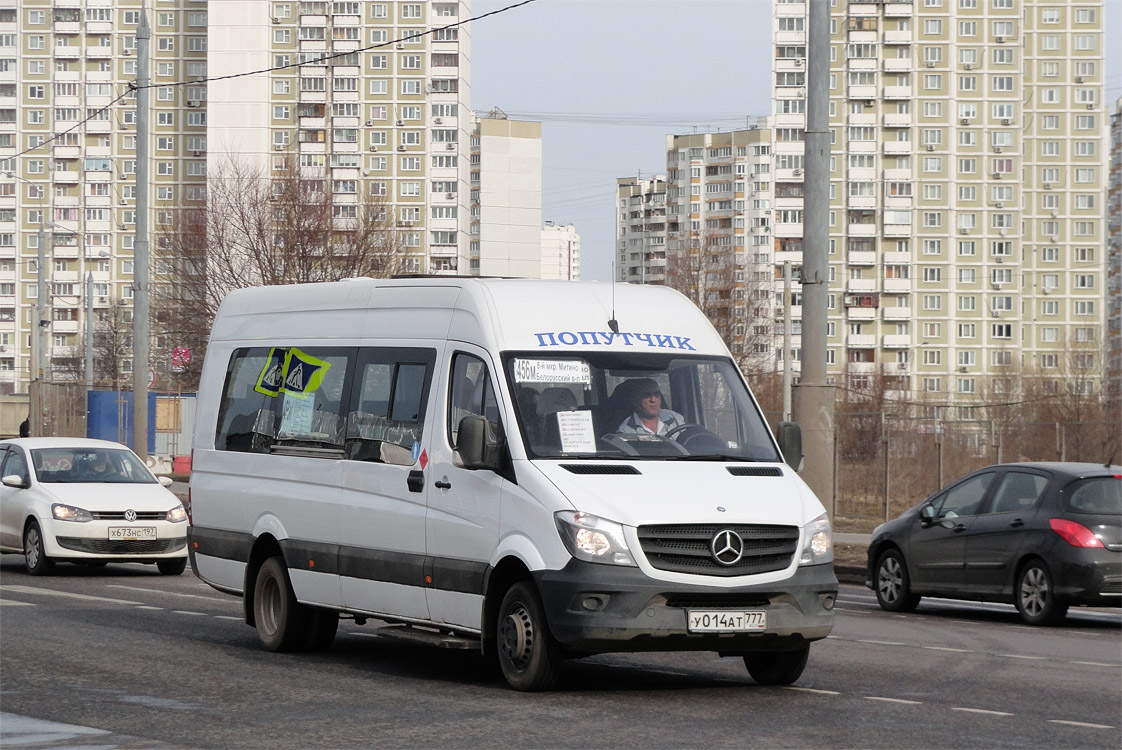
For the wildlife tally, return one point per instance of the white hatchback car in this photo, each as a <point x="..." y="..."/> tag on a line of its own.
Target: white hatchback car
<point x="87" y="501"/>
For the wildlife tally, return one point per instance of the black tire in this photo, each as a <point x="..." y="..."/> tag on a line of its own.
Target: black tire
<point x="777" y="667"/>
<point x="172" y="567"/>
<point x="34" y="554"/>
<point x="1035" y="595"/>
<point x="282" y="622"/>
<point x="527" y="654"/>
<point x="322" y="626"/>
<point x="892" y="584"/>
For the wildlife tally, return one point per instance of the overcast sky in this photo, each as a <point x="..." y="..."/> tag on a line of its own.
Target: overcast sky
<point x="609" y="79"/>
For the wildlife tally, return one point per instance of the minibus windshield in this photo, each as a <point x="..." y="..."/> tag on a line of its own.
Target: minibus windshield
<point x="611" y="405"/>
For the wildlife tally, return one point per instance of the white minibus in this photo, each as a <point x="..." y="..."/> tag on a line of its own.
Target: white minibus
<point x="536" y="470"/>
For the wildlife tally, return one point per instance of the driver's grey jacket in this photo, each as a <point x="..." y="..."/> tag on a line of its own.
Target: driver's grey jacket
<point x="667" y="420"/>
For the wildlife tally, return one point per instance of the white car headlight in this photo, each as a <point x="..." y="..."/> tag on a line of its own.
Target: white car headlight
<point x="819" y="546"/>
<point x="177" y="514"/>
<point x="593" y="539"/>
<point x="70" y="513"/>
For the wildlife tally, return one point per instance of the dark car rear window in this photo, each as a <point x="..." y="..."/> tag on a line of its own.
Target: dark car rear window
<point x="1096" y="495"/>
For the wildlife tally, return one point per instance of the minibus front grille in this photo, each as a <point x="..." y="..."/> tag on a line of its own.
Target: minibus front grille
<point x="122" y="547"/>
<point x="755" y="471"/>
<point x="689" y="548"/>
<point x="600" y="468"/>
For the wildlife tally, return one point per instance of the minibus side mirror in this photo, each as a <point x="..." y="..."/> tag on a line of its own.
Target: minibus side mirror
<point x="790" y="438"/>
<point x="478" y="445"/>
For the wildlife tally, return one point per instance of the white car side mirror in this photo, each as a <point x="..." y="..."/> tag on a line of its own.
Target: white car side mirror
<point x="165" y="481"/>
<point x="13" y="480"/>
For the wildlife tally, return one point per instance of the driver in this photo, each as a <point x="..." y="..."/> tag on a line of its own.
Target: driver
<point x="101" y="469"/>
<point x="649" y="416"/>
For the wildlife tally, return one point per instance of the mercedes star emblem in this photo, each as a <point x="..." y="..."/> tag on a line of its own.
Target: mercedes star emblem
<point x="727" y="547"/>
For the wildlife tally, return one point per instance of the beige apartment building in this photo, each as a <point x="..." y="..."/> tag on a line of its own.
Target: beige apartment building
<point x="967" y="192"/>
<point x="560" y="252"/>
<point x="68" y="163"/>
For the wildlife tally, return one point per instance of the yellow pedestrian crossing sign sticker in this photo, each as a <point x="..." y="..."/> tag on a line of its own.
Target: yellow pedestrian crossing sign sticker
<point x="291" y="371"/>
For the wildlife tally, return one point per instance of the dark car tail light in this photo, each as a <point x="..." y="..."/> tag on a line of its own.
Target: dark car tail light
<point x="1075" y="534"/>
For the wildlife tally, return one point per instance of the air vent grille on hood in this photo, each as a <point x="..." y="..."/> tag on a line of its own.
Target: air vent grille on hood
<point x="755" y="471"/>
<point x="600" y="468"/>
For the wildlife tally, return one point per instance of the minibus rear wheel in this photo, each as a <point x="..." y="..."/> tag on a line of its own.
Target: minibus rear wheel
<point x="528" y="656"/>
<point x="282" y="622"/>
<point x="777" y="667"/>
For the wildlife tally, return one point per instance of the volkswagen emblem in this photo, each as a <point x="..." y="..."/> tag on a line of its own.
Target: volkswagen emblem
<point x="727" y="547"/>
<point x="130" y="515"/>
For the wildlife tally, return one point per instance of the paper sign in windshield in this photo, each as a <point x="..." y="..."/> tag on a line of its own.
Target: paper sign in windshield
<point x="577" y="435"/>
<point x="551" y="371"/>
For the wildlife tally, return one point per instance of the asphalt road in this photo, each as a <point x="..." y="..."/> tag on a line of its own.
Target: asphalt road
<point x="141" y="660"/>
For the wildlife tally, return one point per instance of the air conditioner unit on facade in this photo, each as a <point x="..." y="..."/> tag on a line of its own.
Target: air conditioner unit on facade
<point x="1000" y="40"/>
<point x="124" y="201"/>
<point x="797" y="172"/>
<point x="1047" y="186"/>
<point x="1006" y="121"/>
<point x="369" y="123"/>
<point x="1090" y="105"/>
<point x="965" y="121"/>
<point x="798" y="62"/>
<point x="278" y="147"/>
<point x="997" y="149"/>
<point x="962" y="368"/>
<point x="449" y="195"/>
<point x="102" y="300"/>
<point x="437" y="121"/>
<point x="276" y="20"/>
<point x="401" y="148"/>
<point x="450" y="147"/>
<point x="373" y="149"/>
<point x="400" y="45"/>
<point x="931" y="63"/>
<point x="1079" y="79"/>
<point x="192" y="103"/>
<point x="400" y="123"/>
<point x="121" y="227"/>
<point x="196" y="153"/>
<point x="997" y="175"/>
<point x="999" y="204"/>
<point x="868" y="102"/>
<point x="930" y="147"/>
<point x="969" y="66"/>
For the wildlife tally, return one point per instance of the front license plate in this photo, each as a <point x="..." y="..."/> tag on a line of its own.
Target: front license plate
<point x="131" y="533"/>
<point x="725" y="621"/>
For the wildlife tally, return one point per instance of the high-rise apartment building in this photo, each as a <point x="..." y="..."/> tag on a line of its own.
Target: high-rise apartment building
<point x="70" y="149"/>
<point x="506" y="197"/>
<point x="1114" y="259"/>
<point x="641" y="230"/>
<point x="373" y="96"/>
<point x="967" y="178"/>
<point x="560" y="252"/>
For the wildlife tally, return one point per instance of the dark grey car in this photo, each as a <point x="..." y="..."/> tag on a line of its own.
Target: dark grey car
<point x="1042" y="536"/>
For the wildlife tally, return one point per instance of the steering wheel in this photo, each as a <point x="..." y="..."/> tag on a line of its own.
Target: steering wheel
<point x="673" y="432"/>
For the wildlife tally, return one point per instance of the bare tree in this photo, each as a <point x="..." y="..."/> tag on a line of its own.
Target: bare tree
<point x="288" y="227"/>
<point x="112" y="346"/>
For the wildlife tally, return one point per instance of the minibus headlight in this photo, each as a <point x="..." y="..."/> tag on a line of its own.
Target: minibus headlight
<point x="819" y="546"/>
<point x="177" y="514"/>
<point x="70" y="513"/>
<point x="593" y="539"/>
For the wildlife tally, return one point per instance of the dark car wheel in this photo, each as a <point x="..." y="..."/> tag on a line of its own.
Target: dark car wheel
<point x="172" y="567"/>
<point x="777" y="667"/>
<point x="282" y="622"/>
<point x="527" y="654"/>
<point x="1036" y="596"/>
<point x="892" y="584"/>
<point x="34" y="555"/>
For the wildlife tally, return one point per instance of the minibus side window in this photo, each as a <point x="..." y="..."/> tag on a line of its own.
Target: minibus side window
<point x="472" y="393"/>
<point x="246" y="420"/>
<point x="388" y="404"/>
<point x="313" y="403"/>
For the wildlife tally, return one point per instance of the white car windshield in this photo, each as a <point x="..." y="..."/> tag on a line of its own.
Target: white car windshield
<point x="607" y="405"/>
<point x="71" y="465"/>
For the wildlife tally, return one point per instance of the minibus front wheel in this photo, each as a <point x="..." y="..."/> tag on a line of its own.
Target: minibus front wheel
<point x="528" y="655"/>
<point x="777" y="667"/>
<point x="282" y="623"/>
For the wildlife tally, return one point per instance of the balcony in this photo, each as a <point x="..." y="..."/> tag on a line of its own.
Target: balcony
<point x="862" y="119"/>
<point x="896" y="341"/>
<point x="860" y="286"/>
<point x="897" y="148"/>
<point x="897" y="175"/>
<point x="861" y="63"/>
<point x="897" y="64"/>
<point x="896" y="286"/>
<point x="894" y="258"/>
<point x="862" y="230"/>
<point x="897" y="36"/>
<point x="861" y="341"/>
<point x="897" y="120"/>
<point x="862" y="92"/>
<point x="861" y="313"/>
<point x="897" y="92"/>
<point x="862" y="201"/>
<point x="65" y="177"/>
<point x="898" y="10"/>
<point x="897" y="230"/>
<point x="862" y="258"/>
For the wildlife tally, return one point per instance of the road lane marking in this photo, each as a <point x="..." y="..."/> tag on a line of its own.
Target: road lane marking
<point x="64" y="594"/>
<point x="981" y="711"/>
<point x="148" y="606"/>
<point x="165" y="593"/>
<point x="812" y="690"/>
<point x="1094" y="664"/>
<point x="1022" y="656"/>
<point x="184" y="612"/>
<point x="882" y="643"/>
<point x="15" y="603"/>
<point x="948" y="648"/>
<point x="1080" y="724"/>
<point x="229" y="617"/>
<point x="893" y="700"/>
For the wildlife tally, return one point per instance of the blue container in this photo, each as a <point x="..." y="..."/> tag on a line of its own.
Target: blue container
<point x="110" y="417"/>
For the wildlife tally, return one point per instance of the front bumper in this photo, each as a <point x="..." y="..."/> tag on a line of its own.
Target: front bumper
<point x="595" y="608"/>
<point x="66" y="540"/>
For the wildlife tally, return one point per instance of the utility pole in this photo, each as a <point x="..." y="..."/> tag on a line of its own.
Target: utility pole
<point x="787" y="366"/>
<point x="88" y="372"/>
<point x="140" y="246"/>
<point x="813" y="399"/>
